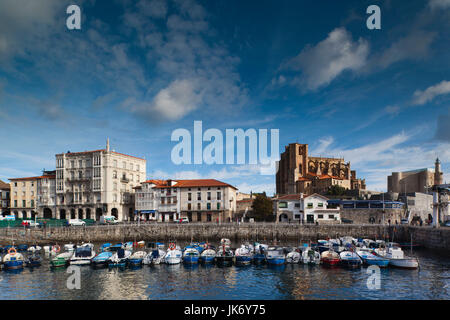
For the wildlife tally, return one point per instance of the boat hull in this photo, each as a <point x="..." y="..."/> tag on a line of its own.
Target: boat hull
<point x="206" y="259"/>
<point x="13" y="265"/>
<point x="135" y="262"/>
<point x="276" y="261"/>
<point x="330" y="262"/>
<point x="259" y="258"/>
<point x="224" y="261"/>
<point x="404" y="263"/>
<point x="350" y="263"/>
<point x="190" y="259"/>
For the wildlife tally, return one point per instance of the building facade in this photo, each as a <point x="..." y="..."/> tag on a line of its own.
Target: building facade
<point x="5" y="190"/>
<point x="420" y="180"/>
<point x="300" y="173"/>
<point x="311" y="209"/>
<point x="23" y="197"/>
<point x="204" y="200"/>
<point x="46" y="194"/>
<point x="90" y="184"/>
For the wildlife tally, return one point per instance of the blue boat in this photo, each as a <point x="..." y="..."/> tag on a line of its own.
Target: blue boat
<point x="371" y="259"/>
<point x="119" y="258"/>
<point x="33" y="261"/>
<point x="208" y="255"/>
<point x="115" y="247"/>
<point x="101" y="259"/>
<point x="275" y="256"/>
<point x="350" y="259"/>
<point x="191" y="255"/>
<point x="13" y="260"/>
<point x="243" y="255"/>
<point x="105" y="247"/>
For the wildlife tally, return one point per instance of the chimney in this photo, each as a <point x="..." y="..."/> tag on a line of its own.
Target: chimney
<point x="107" y="144"/>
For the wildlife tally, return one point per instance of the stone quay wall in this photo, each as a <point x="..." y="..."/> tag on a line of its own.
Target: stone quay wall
<point x="425" y="236"/>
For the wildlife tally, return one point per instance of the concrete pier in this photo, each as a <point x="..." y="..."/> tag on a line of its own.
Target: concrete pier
<point x="425" y="236"/>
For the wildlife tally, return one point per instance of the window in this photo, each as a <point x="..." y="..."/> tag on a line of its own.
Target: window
<point x="80" y="163"/>
<point x="32" y="203"/>
<point x="137" y="167"/>
<point x="114" y="174"/>
<point x="331" y="216"/>
<point x="209" y="196"/>
<point x="189" y="206"/>
<point x="310" y="205"/>
<point x="131" y="166"/>
<point x="320" y="216"/>
<point x="320" y="205"/>
<point x="296" y="216"/>
<point x="219" y="196"/>
<point x="297" y="205"/>
<point x="208" y="206"/>
<point x="72" y="164"/>
<point x="115" y="197"/>
<point x="189" y="197"/>
<point x="199" y="196"/>
<point x="199" y="206"/>
<point x="283" y="205"/>
<point x="24" y="204"/>
<point x="80" y="174"/>
<point x="218" y="206"/>
<point x="15" y="203"/>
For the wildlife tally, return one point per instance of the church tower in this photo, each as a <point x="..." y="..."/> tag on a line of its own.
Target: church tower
<point x="438" y="175"/>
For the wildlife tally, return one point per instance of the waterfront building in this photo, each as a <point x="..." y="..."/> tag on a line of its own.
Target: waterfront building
<point x="46" y="194"/>
<point x="23" y="197"/>
<point x="310" y="209"/>
<point x="201" y="200"/>
<point x="90" y="184"/>
<point x="4" y="198"/>
<point x="300" y="173"/>
<point x="419" y="180"/>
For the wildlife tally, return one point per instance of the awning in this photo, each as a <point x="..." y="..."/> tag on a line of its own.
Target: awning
<point x="144" y="211"/>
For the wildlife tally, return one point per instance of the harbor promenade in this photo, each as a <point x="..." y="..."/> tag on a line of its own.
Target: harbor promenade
<point x="424" y="236"/>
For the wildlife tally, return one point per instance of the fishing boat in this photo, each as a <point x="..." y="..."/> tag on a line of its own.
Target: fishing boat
<point x="259" y="250"/>
<point x="350" y="259"/>
<point x="225" y="255"/>
<point x="397" y="258"/>
<point x="101" y="259"/>
<point x="330" y="258"/>
<point x="191" y="255"/>
<point x="83" y="254"/>
<point x="22" y="247"/>
<point x="119" y="258"/>
<point x="369" y="258"/>
<point x="155" y="257"/>
<point x="61" y="260"/>
<point x="33" y="260"/>
<point x="208" y="255"/>
<point x="293" y="256"/>
<point x="243" y="255"/>
<point x="128" y="246"/>
<point x="13" y="259"/>
<point x="225" y="242"/>
<point x="310" y="256"/>
<point x="174" y="255"/>
<point x="136" y="258"/>
<point x="275" y="256"/>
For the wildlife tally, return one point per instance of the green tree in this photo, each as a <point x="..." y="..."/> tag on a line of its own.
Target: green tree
<point x="262" y="208"/>
<point x="336" y="190"/>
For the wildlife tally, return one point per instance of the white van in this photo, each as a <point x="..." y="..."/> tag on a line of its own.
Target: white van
<point x="108" y="220"/>
<point x="76" y="222"/>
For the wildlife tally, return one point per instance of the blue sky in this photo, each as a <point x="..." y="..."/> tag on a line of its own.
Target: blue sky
<point x="137" y="70"/>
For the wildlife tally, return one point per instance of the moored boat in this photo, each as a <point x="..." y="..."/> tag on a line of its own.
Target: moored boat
<point x="293" y="256"/>
<point x="275" y="256"/>
<point x="243" y="255"/>
<point x="13" y="259"/>
<point x="310" y="256"/>
<point x="174" y="255"/>
<point x="397" y="258"/>
<point x="224" y="256"/>
<point x="136" y="258"/>
<point x="61" y="260"/>
<point x="191" y="255"/>
<point x="369" y="258"/>
<point x="83" y="254"/>
<point x="119" y="258"/>
<point x="208" y="255"/>
<point x="329" y="258"/>
<point x="101" y="259"/>
<point x="350" y="259"/>
<point x="33" y="260"/>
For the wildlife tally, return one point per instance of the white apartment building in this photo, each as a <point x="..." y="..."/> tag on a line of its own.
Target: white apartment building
<point x="46" y="194"/>
<point x="205" y="200"/>
<point x="310" y="209"/>
<point x="90" y="184"/>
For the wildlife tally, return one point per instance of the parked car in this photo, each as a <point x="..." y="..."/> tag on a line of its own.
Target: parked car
<point x="108" y="220"/>
<point x="30" y="223"/>
<point x="76" y="222"/>
<point x="404" y="221"/>
<point x="343" y="220"/>
<point x="183" y="220"/>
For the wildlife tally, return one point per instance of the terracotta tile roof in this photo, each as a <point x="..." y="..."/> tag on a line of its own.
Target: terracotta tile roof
<point x="49" y="176"/>
<point x="4" y="185"/>
<point x="289" y="197"/>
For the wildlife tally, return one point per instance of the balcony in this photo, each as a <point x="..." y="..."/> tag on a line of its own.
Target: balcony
<point x="124" y="179"/>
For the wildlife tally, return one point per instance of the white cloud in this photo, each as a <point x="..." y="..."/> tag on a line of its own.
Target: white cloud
<point x="322" y="63"/>
<point x="439" y="4"/>
<point x="422" y="97"/>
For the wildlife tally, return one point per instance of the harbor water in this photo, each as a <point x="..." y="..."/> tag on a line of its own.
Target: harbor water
<point x="430" y="281"/>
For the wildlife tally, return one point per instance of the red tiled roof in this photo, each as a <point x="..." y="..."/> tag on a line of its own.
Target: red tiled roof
<point x="193" y="183"/>
<point x="157" y="182"/>
<point x="33" y="178"/>
<point x="289" y="197"/>
<point x="4" y="185"/>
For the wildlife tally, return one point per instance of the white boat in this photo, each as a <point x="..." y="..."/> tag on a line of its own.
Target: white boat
<point x="61" y="259"/>
<point x="34" y="249"/>
<point x="69" y="247"/>
<point x="243" y="255"/>
<point x="350" y="259"/>
<point x="225" y="242"/>
<point x="397" y="257"/>
<point x="83" y="254"/>
<point x="208" y="255"/>
<point x="137" y="258"/>
<point x="173" y="255"/>
<point x="13" y="260"/>
<point x="293" y="257"/>
<point x="155" y="257"/>
<point x="310" y="256"/>
<point x="119" y="258"/>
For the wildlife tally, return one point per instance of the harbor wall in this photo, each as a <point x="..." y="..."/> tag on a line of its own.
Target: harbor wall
<point x="425" y="236"/>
